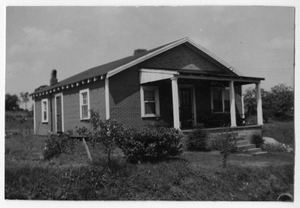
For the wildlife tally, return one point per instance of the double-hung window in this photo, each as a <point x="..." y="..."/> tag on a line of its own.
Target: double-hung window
<point x="44" y="110"/>
<point x="150" y="101"/>
<point x="84" y="99"/>
<point x="220" y="102"/>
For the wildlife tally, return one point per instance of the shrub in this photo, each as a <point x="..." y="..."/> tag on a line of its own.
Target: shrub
<point x="104" y="133"/>
<point x="225" y="143"/>
<point x="197" y="140"/>
<point x="57" y="144"/>
<point x="257" y="140"/>
<point x="150" y="144"/>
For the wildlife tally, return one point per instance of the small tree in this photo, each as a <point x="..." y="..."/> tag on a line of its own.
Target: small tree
<point x="105" y="133"/>
<point x="225" y="143"/>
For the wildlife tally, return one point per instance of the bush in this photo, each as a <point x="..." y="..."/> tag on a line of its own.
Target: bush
<point x="103" y="133"/>
<point x="150" y="144"/>
<point x="225" y="143"/>
<point x="197" y="140"/>
<point x="57" y="144"/>
<point x="257" y="140"/>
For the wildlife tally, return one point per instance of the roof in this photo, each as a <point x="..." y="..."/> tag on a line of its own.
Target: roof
<point x="112" y="68"/>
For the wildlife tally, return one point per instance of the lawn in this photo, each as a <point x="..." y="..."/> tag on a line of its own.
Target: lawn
<point x="193" y="176"/>
<point x="281" y="131"/>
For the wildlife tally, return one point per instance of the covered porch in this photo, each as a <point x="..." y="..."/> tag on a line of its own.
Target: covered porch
<point x="188" y="98"/>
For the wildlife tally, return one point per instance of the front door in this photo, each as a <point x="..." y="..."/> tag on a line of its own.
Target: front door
<point x="58" y="115"/>
<point x="186" y="107"/>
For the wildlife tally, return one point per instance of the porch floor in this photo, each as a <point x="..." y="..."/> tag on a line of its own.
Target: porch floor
<point x="220" y="129"/>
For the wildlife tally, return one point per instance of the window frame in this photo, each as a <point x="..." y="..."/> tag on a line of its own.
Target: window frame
<point x="213" y="89"/>
<point x="143" y="103"/>
<point x="81" y="104"/>
<point x="43" y="110"/>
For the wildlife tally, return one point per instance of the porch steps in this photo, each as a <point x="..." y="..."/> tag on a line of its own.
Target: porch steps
<point x="246" y="147"/>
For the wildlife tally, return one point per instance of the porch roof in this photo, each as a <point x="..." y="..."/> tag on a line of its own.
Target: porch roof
<point x="151" y="75"/>
<point x="197" y="74"/>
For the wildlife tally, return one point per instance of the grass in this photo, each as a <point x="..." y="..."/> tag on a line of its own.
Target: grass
<point x="282" y="132"/>
<point x="193" y="176"/>
<point x="171" y="180"/>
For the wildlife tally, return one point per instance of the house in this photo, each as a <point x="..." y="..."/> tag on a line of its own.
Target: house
<point x="180" y="83"/>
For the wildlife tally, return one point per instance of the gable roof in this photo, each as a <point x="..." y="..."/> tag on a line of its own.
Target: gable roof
<point x="120" y="65"/>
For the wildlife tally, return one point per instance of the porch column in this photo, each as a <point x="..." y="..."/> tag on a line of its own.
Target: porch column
<point x="232" y="104"/>
<point x="175" y="99"/>
<point x="259" y="104"/>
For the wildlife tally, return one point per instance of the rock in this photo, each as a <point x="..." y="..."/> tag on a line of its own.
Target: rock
<point x="269" y="140"/>
<point x="289" y="150"/>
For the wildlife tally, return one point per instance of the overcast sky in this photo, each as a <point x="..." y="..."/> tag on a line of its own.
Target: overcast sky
<point x="257" y="41"/>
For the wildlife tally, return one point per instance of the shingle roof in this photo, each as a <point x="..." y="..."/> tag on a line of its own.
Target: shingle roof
<point x="98" y="70"/>
<point x="117" y="66"/>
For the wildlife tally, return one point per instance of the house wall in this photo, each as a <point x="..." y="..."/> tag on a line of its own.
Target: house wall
<point x="125" y="100"/>
<point x="125" y="104"/>
<point x="124" y="97"/>
<point x="41" y="128"/>
<point x="70" y="107"/>
<point x="182" y="57"/>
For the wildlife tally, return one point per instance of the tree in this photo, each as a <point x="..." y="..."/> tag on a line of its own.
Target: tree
<point x="282" y="101"/>
<point x="25" y="98"/>
<point x="11" y="102"/>
<point x="251" y="105"/>
<point x="278" y="103"/>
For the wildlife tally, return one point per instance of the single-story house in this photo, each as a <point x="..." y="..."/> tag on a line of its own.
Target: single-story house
<point x="180" y="83"/>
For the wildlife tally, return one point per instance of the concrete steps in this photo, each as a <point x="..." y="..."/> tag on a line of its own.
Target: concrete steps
<point x="245" y="146"/>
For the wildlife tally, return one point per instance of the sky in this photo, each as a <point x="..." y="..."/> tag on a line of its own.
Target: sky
<point x="257" y="40"/>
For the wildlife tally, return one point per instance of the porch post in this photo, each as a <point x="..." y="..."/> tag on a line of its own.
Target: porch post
<point x="259" y="104"/>
<point x="175" y="99"/>
<point x="232" y="104"/>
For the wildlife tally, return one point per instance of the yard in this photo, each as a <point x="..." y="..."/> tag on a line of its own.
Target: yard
<point x="193" y="176"/>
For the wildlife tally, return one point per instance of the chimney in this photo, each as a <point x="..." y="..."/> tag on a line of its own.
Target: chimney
<point x="53" y="79"/>
<point x="138" y="51"/>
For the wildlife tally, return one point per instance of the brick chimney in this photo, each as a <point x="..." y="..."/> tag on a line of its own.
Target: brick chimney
<point x="138" y="51"/>
<point x="53" y="79"/>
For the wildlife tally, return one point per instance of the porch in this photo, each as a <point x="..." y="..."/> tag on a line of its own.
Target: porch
<point x="187" y="98"/>
<point x="239" y="132"/>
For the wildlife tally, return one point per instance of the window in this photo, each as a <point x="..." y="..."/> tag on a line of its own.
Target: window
<point x="44" y="110"/>
<point x="150" y="101"/>
<point x="84" y="98"/>
<point x="220" y="100"/>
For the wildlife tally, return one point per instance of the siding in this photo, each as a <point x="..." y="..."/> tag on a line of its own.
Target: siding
<point x="72" y="108"/>
<point x="42" y="128"/>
